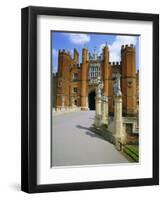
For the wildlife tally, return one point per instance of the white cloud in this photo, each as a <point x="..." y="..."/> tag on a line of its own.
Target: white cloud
<point x="79" y="38"/>
<point x="115" y="47"/>
<point x="54" y="52"/>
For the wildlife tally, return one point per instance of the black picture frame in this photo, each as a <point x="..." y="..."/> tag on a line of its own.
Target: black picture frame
<point x="29" y="99"/>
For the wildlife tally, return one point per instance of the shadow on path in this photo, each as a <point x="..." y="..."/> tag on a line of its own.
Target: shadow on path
<point x="89" y="132"/>
<point x="82" y="127"/>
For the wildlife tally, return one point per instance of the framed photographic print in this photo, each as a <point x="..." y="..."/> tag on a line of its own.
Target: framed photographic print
<point x="90" y="99"/>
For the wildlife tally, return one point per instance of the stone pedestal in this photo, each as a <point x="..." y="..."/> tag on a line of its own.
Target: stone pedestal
<point x="98" y="112"/>
<point x="98" y="103"/>
<point x="118" y="122"/>
<point x="104" y="110"/>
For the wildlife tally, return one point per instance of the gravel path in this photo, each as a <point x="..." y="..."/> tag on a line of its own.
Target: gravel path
<point x="74" y="144"/>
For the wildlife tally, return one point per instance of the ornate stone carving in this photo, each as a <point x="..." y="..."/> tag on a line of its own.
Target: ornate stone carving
<point x="116" y="85"/>
<point x="99" y="87"/>
<point x="104" y="98"/>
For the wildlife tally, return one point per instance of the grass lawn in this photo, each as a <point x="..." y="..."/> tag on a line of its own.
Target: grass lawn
<point x="132" y="151"/>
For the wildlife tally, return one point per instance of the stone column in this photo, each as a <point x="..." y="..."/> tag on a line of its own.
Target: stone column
<point x="98" y="103"/>
<point x="98" y="111"/>
<point x="120" y="137"/>
<point x="104" y="108"/>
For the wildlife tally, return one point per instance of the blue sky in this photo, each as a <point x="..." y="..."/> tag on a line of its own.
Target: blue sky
<point x="69" y="41"/>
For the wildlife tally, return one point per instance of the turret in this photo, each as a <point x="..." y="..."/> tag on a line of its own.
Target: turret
<point x="84" y="55"/>
<point x="128" y="60"/>
<point x="84" y="75"/>
<point x="105" y="69"/>
<point x="76" y="56"/>
<point x="64" y="63"/>
<point x="128" y="69"/>
<point x="95" y="54"/>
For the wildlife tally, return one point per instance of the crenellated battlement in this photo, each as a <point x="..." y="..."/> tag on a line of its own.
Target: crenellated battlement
<point x="116" y="67"/>
<point x="117" y="64"/>
<point x="127" y="47"/>
<point x="64" y="52"/>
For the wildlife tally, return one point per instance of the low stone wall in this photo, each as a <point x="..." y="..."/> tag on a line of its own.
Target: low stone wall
<point x="104" y="133"/>
<point x="63" y="110"/>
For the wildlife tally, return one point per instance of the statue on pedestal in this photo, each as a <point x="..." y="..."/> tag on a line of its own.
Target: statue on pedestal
<point x="120" y="137"/>
<point x="98" y="102"/>
<point x="116" y="85"/>
<point x="99" y="87"/>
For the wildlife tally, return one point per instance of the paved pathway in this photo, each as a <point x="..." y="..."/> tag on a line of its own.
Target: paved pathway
<point x="74" y="144"/>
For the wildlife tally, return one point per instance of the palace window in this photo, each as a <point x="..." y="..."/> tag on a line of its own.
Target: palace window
<point x="75" y="76"/>
<point x="75" y="90"/>
<point x="94" y="71"/>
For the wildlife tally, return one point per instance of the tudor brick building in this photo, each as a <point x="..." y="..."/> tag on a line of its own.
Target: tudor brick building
<point x="75" y="83"/>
